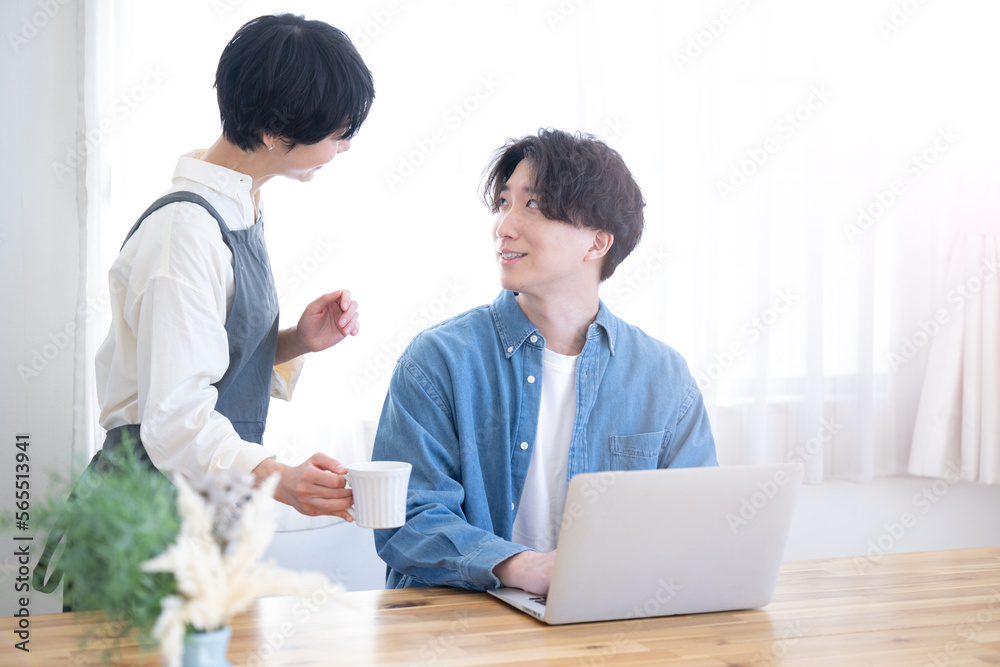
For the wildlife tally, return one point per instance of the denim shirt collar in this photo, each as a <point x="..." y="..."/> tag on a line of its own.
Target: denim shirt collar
<point x="514" y="327"/>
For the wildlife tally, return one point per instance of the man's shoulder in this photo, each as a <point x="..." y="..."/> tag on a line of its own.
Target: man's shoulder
<point x="642" y="360"/>
<point x="457" y="335"/>
<point x="635" y="343"/>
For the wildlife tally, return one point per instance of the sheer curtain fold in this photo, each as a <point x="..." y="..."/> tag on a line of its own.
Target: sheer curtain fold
<point x="957" y="430"/>
<point x="94" y="75"/>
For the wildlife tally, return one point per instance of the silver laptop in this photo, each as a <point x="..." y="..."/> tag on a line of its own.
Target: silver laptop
<point x="662" y="542"/>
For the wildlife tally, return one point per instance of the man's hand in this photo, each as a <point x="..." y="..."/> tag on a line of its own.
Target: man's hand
<point x="324" y="323"/>
<point x="315" y="487"/>
<point x="528" y="570"/>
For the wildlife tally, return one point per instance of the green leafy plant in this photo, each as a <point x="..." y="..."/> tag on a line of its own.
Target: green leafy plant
<point x="162" y="560"/>
<point x="121" y="513"/>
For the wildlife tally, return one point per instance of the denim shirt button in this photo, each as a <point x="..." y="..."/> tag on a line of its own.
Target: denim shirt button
<point x="533" y="339"/>
<point x="524" y="445"/>
<point x="531" y="379"/>
<point x="510" y="349"/>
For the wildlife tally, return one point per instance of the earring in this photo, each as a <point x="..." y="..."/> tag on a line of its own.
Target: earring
<point x="271" y="147"/>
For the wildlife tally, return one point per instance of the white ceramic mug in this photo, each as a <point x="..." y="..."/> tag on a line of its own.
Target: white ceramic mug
<point x="379" y="493"/>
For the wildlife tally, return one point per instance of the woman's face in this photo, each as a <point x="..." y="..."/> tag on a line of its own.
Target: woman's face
<point x="303" y="161"/>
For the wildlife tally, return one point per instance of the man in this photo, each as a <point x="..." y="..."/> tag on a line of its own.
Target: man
<point x="499" y="407"/>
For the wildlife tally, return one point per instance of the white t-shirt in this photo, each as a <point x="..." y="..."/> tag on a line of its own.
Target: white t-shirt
<point x="539" y="513"/>
<point x="161" y="291"/>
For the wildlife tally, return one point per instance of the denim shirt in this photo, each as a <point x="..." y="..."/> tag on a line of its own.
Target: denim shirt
<point x="462" y="407"/>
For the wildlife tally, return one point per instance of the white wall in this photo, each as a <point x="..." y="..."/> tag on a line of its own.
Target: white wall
<point x="39" y="256"/>
<point x="892" y="515"/>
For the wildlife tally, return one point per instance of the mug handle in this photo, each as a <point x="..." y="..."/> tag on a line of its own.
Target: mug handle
<point x="347" y="485"/>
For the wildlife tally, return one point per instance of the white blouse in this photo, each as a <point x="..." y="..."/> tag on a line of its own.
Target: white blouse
<point x="171" y="289"/>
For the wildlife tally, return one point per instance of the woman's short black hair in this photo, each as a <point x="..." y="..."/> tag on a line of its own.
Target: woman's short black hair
<point x="297" y="79"/>
<point x="578" y="180"/>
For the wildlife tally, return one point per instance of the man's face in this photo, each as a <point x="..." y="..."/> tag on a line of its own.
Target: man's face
<point x="539" y="256"/>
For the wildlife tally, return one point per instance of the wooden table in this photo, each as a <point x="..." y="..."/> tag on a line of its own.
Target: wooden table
<point x="921" y="609"/>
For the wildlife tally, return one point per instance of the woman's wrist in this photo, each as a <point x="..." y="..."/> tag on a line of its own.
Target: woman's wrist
<point x="289" y="346"/>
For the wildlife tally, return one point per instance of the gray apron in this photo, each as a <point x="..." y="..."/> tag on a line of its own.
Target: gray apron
<point x="244" y="391"/>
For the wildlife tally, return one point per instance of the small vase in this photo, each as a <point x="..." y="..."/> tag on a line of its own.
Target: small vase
<point x="207" y="649"/>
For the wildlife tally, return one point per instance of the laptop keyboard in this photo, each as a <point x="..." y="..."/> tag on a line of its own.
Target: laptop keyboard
<point x="540" y="599"/>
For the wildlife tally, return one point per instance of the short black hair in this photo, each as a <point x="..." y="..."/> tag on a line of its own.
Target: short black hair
<point x="579" y="180"/>
<point x="297" y="79"/>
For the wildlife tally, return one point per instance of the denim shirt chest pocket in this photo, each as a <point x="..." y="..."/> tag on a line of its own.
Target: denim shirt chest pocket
<point x="638" y="452"/>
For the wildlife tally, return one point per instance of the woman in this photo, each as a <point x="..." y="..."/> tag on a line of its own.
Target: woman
<point x="194" y="352"/>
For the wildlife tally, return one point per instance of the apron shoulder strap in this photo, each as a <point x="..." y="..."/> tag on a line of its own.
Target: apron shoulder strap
<point x="173" y="197"/>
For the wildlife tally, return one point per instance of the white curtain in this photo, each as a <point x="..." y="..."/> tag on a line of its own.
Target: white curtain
<point x="795" y="157"/>
<point x="88" y="165"/>
<point x="957" y="432"/>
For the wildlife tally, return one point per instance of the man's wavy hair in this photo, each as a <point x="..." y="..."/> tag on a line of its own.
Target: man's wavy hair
<point x="297" y="79"/>
<point x="578" y="180"/>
